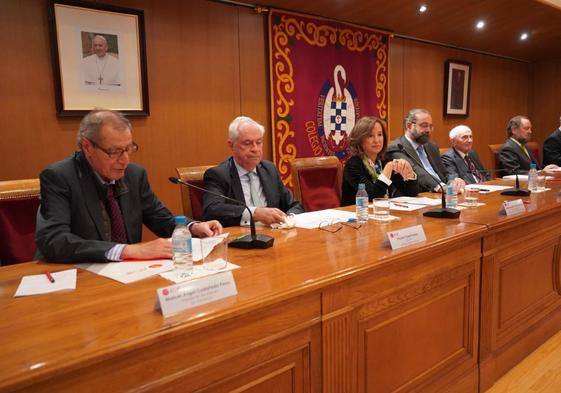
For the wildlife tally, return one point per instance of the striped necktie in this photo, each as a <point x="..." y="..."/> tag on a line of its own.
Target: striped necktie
<point x="118" y="230"/>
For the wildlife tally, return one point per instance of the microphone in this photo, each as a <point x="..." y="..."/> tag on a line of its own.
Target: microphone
<point x="516" y="191"/>
<point x="443" y="211"/>
<point x="247" y="242"/>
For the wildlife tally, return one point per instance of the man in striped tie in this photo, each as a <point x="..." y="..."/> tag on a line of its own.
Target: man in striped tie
<point x="461" y="160"/>
<point x="514" y="156"/>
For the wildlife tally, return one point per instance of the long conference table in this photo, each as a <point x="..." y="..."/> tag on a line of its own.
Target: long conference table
<point x="317" y="312"/>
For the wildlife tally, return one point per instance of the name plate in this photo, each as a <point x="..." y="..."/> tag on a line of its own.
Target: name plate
<point x="406" y="237"/>
<point x="189" y="294"/>
<point x="513" y="207"/>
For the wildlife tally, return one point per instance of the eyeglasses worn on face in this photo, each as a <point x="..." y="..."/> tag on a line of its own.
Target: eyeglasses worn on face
<point x="424" y="125"/>
<point x="117" y="153"/>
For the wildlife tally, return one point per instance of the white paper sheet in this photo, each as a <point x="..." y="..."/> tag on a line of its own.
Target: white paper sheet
<point x="487" y="188"/>
<point x="38" y="284"/>
<point x="127" y="272"/>
<point x="424" y="201"/>
<point x="311" y="220"/>
<point x="524" y="177"/>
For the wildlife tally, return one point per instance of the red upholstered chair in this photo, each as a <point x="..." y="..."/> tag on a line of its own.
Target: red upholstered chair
<point x="19" y="200"/>
<point x="494" y="149"/>
<point x="191" y="198"/>
<point x="536" y="151"/>
<point x="317" y="182"/>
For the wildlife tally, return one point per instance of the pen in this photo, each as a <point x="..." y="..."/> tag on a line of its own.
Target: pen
<point x="400" y="205"/>
<point x="484" y="190"/>
<point x="51" y="279"/>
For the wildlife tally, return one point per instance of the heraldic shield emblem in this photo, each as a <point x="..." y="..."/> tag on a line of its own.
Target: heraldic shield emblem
<point x="338" y="109"/>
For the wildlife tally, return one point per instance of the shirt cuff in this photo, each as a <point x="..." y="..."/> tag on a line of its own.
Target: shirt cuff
<point x="246" y="219"/>
<point x="385" y="179"/>
<point x="115" y="252"/>
<point x="191" y="224"/>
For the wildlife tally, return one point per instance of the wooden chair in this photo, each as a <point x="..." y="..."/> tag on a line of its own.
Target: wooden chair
<point x="494" y="149"/>
<point x="19" y="200"/>
<point x="191" y="198"/>
<point x="317" y="182"/>
<point x="534" y="148"/>
<point x="443" y="150"/>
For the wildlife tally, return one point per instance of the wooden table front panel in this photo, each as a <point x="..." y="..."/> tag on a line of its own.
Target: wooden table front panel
<point x="411" y="326"/>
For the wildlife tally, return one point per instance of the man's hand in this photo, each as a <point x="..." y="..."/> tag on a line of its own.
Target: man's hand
<point x="550" y="168"/>
<point x="459" y="185"/>
<point x="206" y="229"/>
<point x="159" y="248"/>
<point x="269" y="215"/>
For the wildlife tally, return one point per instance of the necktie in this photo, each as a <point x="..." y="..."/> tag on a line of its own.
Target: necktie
<point x="526" y="151"/>
<point x="473" y="170"/>
<point x="425" y="161"/>
<point x="118" y="231"/>
<point x="254" y="190"/>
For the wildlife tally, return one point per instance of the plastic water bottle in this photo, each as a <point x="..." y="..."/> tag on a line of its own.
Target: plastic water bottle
<point x="451" y="195"/>
<point x="361" y="204"/>
<point x="533" y="178"/>
<point x="182" y="248"/>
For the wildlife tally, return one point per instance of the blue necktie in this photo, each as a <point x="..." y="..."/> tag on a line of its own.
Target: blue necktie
<point x="425" y="161"/>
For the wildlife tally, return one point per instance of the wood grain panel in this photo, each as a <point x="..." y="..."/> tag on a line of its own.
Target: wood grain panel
<point x="545" y="108"/>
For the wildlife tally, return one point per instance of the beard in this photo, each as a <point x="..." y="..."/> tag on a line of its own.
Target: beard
<point x="421" y="139"/>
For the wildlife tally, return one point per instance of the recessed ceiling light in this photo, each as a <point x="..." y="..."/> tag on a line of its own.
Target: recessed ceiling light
<point x="524" y="36"/>
<point x="480" y="24"/>
<point x="423" y="8"/>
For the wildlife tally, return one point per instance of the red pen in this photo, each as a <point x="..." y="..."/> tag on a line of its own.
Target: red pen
<point x="51" y="279"/>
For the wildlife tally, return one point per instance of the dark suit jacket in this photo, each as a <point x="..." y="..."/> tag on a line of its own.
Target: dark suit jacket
<point x="426" y="182"/>
<point x="456" y="165"/>
<point x="224" y="179"/>
<point x="512" y="157"/>
<point x="72" y="224"/>
<point x="355" y="173"/>
<point x="552" y="149"/>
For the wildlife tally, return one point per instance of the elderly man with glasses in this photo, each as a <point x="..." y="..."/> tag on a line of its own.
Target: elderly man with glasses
<point x="415" y="147"/>
<point x="93" y="203"/>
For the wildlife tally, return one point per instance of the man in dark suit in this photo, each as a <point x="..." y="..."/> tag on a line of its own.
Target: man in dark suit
<point x="248" y="179"/>
<point x="552" y="148"/>
<point x="461" y="160"/>
<point x="514" y="156"/>
<point x="93" y="204"/>
<point x="417" y="149"/>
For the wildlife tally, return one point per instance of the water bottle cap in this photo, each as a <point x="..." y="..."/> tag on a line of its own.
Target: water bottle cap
<point x="532" y="166"/>
<point x="361" y="186"/>
<point x="180" y="220"/>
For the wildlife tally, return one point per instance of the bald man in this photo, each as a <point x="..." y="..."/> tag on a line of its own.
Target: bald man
<point x="461" y="160"/>
<point x="101" y="68"/>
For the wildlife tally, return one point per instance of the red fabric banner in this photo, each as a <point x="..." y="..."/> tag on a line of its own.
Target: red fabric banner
<point x="324" y="76"/>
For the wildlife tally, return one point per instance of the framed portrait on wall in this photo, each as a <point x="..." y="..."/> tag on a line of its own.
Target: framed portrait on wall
<point x="457" y="76"/>
<point x="99" y="58"/>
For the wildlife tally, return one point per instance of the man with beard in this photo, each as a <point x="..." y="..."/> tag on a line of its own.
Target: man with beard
<point x="415" y="147"/>
<point x="514" y="156"/>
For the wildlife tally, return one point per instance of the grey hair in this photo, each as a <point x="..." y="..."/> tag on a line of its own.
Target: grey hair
<point x="515" y="122"/>
<point x="411" y="116"/>
<point x="234" y="127"/>
<point x="454" y="132"/>
<point x="93" y="122"/>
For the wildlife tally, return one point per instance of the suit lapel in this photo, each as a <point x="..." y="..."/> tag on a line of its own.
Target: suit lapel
<point x="235" y="182"/>
<point x="87" y="181"/>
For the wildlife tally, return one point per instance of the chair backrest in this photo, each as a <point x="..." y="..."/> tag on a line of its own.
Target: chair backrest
<point x="191" y="198"/>
<point x="495" y="149"/>
<point x="443" y="150"/>
<point x="19" y="200"/>
<point x="536" y="151"/>
<point x="317" y="182"/>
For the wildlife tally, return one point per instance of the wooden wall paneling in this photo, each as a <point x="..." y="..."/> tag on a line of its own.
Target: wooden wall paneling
<point x="254" y="72"/>
<point x="545" y="100"/>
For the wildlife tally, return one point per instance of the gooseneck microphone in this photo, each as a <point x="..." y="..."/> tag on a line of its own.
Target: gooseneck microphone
<point x="441" y="212"/>
<point x="516" y="191"/>
<point x="246" y="242"/>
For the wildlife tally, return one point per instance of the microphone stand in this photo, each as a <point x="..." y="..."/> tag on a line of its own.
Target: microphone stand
<point x="247" y="242"/>
<point x="440" y="212"/>
<point x="516" y="191"/>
